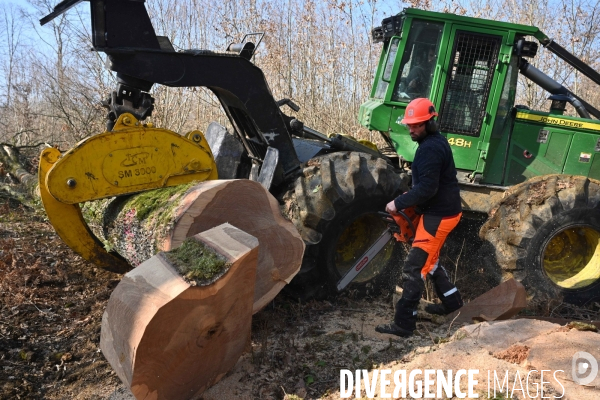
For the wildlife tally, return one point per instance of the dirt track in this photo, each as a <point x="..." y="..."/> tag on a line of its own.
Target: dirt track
<point x="51" y="304"/>
<point x="51" y="307"/>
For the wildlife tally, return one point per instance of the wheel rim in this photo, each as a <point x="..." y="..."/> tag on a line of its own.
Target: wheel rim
<point x="355" y="240"/>
<point x="571" y="258"/>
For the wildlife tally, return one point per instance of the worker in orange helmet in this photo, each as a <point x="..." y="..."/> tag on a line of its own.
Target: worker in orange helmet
<point x="435" y="195"/>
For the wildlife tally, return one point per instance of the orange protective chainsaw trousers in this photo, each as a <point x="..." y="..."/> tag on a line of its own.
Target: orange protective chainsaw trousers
<point x="422" y="259"/>
<point x="431" y="234"/>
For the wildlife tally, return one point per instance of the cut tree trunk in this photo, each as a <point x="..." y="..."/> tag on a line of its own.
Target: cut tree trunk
<point x="140" y="226"/>
<point x="169" y="336"/>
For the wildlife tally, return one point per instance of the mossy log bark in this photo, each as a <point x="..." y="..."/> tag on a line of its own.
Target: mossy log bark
<point x="171" y="329"/>
<point x="10" y="163"/>
<point x="140" y="226"/>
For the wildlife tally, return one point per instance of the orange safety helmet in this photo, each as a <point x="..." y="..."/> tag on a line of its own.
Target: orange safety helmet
<point x="419" y="110"/>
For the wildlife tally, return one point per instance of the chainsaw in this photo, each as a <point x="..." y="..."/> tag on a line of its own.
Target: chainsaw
<point x="400" y="226"/>
<point x="131" y="158"/>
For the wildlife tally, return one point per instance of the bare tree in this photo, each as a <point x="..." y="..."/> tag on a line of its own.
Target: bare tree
<point x="14" y="88"/>
<point x="318" y="53"/>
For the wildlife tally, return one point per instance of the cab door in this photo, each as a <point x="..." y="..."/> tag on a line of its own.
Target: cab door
<point x="475" y="69"/>
<point x="417" y="74"/>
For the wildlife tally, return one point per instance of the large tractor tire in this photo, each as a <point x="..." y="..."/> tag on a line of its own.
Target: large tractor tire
<point x="545" y="233"/>
<point x="334" y="206"/>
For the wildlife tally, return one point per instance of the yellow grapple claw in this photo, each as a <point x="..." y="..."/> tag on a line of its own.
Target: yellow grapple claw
<point x="68" y="222"/>
<point x="131" y="158"/>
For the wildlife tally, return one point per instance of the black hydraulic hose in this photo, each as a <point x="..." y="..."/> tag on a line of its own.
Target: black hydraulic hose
<point x="581" y="110"/>
<point x="541" y="79"/>
<point x="60" y="8"/>
<point x="570" y="58"/>
<point x="316" y="134"/>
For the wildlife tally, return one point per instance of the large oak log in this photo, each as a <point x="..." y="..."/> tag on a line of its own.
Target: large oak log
<point x="170" y="337"/>
<point x="142" y="225"/>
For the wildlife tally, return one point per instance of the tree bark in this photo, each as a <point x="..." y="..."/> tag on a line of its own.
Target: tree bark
<point x="10" y="164"/>
<point x="140" y="226"/>
<point x="169" y="338"/>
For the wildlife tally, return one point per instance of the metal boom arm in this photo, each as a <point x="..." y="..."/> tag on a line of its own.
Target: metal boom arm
<point x="122" y="29"/>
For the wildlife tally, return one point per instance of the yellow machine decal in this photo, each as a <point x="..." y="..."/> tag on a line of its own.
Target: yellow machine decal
<point x="135" y="166"/>
<point x="552" y="120"/>
<point x="459" y="142"/>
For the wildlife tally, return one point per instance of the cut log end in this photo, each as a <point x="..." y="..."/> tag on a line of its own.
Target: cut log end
<point x="167" y="339"/>
<point x="137" y="230"/>
<point x="197" y="263"/>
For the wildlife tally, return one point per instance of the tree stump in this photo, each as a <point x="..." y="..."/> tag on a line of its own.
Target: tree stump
<point x="142" y="225"/>
<point x="173" y="327"/>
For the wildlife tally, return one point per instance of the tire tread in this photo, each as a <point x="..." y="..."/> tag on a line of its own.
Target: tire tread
<point x="331" y="183"/>
<point x="524" y="208"/>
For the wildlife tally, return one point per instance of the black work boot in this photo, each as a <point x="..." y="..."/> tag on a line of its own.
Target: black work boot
<point x="405" y="321"/>
<point x="437" y="309"/>
<point x="447" y="293"/>
<point x="393" y="329"/>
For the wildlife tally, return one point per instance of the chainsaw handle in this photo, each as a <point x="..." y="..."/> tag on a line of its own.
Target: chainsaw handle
<point x="397" y="223"/>
<point x="410" y="223"/>
<point x="389" y="218"/>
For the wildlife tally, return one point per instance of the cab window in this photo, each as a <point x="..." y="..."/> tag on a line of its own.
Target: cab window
<point x="384" y="81"/>
<point x="473" y="60"/>
<point x="418" y="61"/>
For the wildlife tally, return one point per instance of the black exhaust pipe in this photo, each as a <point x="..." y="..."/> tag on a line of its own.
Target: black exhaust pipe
<point x="553" y="87"/>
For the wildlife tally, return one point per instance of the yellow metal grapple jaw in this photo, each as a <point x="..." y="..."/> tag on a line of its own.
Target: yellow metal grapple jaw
<point x="133" y="157"/>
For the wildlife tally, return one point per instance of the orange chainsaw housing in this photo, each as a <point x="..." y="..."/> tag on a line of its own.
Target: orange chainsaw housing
<point x="407" y="233"/>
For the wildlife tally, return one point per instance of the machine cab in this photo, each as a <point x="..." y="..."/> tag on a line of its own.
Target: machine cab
<point x="464" y="67"/>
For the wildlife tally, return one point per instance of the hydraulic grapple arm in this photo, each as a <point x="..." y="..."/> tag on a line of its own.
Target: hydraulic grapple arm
<point x="132" y="158"/>
<point x="123" y="30"/>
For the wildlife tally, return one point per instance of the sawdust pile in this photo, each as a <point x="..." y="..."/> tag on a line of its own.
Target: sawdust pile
<point x="515" y="354"/>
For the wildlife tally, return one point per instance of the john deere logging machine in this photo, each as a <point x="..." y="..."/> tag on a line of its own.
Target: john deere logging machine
<point x="535" y="172"/>
<point x="544" y="230"/>
<point x="331" y="188"/>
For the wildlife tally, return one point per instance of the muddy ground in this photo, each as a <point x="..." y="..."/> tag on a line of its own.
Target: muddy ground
<point x="51" y="304"/>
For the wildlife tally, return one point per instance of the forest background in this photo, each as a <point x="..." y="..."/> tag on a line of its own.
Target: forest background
<point x="318" y="53"/>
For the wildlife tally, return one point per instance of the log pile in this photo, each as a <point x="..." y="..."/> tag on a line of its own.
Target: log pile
<point x="11" y="164"/>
